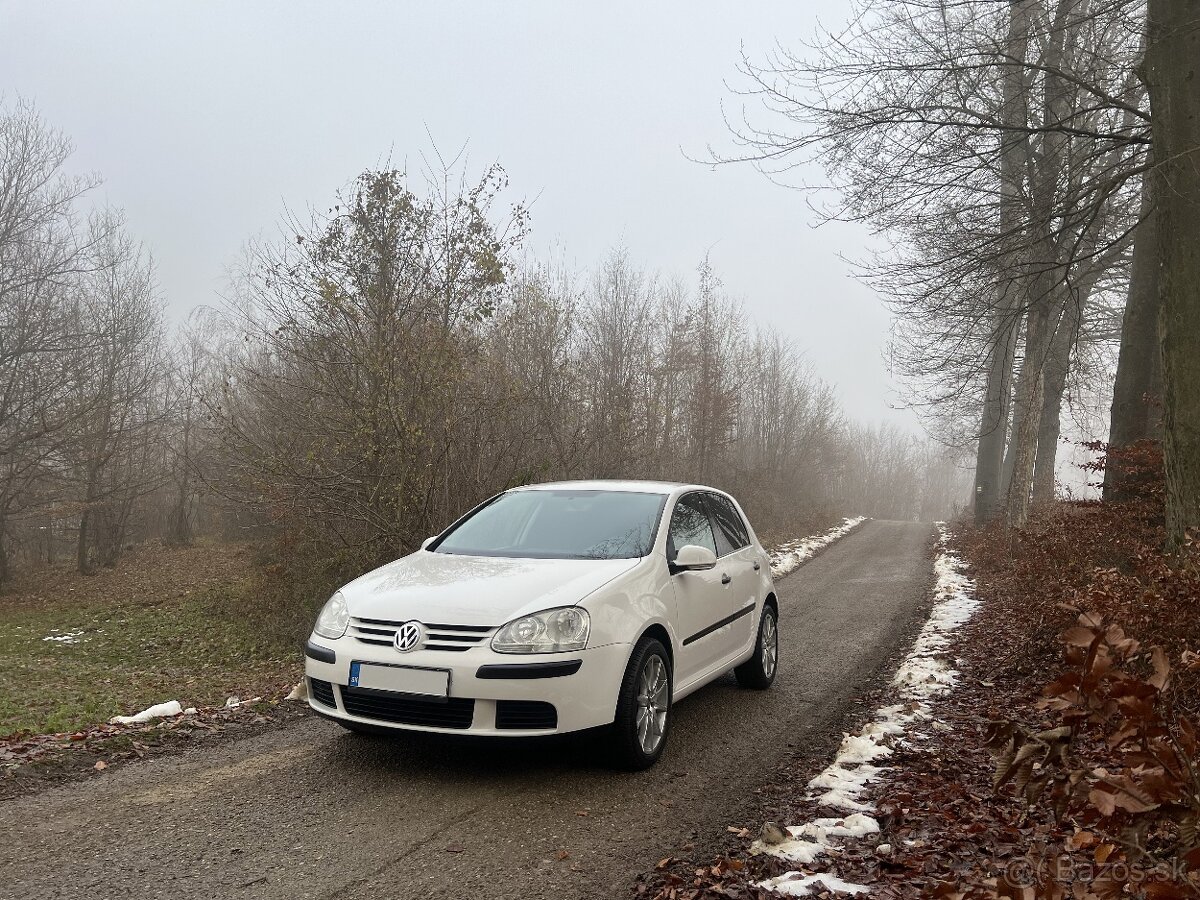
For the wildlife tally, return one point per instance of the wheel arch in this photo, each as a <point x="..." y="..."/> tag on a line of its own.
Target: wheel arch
<point x="659" y="632"/>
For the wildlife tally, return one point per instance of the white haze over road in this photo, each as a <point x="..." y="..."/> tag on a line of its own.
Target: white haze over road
<point x="206" y="119"/>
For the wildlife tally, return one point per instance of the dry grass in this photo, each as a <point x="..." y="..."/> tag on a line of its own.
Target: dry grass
<point x="166" y="623"/>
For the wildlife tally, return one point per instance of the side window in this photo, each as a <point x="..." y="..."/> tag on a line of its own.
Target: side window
<point x="725" y="546"/>
<point x="730" y="526"/>
<point x="690" y="525"/>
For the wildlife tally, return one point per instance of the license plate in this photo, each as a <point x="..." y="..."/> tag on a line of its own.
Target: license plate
<point x="402" y="679"/>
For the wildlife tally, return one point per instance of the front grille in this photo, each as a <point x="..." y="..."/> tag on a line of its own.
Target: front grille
<point x="322" y="692"/>
<point x="530" y="714"/>
<point x="455" y="638"/>
<point x="408" y="709"/>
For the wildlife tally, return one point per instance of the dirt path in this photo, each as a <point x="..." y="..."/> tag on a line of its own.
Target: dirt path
<point x="312" y="811"/>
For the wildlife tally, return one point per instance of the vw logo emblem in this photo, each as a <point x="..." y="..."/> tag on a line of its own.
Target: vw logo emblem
<point x="408" y="636"/>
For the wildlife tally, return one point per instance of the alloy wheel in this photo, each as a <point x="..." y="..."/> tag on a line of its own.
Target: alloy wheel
<point x="653" y="703"/>
<point x="770" y="645"/>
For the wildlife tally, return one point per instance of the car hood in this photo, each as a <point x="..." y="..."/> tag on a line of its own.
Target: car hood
<point x="448" y="589"/>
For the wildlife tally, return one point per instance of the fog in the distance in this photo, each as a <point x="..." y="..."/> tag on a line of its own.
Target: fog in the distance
<point x="206" y="121"/>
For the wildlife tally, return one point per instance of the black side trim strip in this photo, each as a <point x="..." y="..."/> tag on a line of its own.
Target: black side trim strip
<point x="745" y="611"/>
<point x="531" y="670"/>
<point x="320" y="654"/>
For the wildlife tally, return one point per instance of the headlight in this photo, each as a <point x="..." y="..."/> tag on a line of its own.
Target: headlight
<point x="552" y="631"/>
<point x="334" y="618"/>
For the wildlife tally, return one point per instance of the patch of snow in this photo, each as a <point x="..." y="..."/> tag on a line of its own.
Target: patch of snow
<point x="835" y="776"/>
<point x="857" y="825"/>
<point x="64" y="637"/>
<point x="840" y="798"/>
<point x="884" y="727"/>
<point x="300" y="691"/>
<point x="786" y="558"/>
<point x="926" y="672"/>
<point x="925" y="676"/>
<point x="158" y="711"/>
<point x="235" y="702"/>
<point x="799" y="851"/>
<point x="190" y="711"/>
<point x="797" y="884"/>
<point x="862" y="748"/>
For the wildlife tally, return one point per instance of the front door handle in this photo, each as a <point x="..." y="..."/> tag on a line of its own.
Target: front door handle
<point x="725" y="579"/>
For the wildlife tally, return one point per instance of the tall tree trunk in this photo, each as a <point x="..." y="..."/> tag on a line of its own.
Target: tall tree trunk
<point x="993" y="425"/>
<point x="1046" y="273"/>
<point x="1027" y="413"/>
<point x="1046" y="310"/>
<point x="180" y="527"/>
<point x="1025" y="456"/>
<point x="1173" y="80"/>
<point x="181" y="520"/>
<point x="1023" y="396"/>
<point x="1058" y="364"/>
<point x="83" y="549"/>
<point x="1139" y="365"/>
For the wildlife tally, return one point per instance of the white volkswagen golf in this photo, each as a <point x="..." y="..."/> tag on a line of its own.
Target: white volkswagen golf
<point x="554" y="608"/>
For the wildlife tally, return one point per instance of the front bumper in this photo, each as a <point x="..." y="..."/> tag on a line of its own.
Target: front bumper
<point x="491" y="694"/>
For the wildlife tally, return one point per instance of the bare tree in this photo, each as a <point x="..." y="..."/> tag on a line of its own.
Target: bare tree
<point x="41" y="251"/>
<point x="193" y="375"/>
<point x="615" y="348"/>
<point x="997" y="148"/>
<point x="117" y="399"/>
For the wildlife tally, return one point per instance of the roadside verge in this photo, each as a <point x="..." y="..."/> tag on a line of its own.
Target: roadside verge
<point x="835" y="833"/>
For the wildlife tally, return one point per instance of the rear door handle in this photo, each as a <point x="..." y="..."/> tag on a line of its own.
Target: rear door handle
<point x="757" y="567"/>
<point x="725" y="579"/>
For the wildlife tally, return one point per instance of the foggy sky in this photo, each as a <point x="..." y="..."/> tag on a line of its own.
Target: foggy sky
<point x="206" y="120"/>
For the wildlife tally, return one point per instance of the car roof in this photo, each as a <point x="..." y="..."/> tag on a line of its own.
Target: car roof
<point x="606" y="484"/>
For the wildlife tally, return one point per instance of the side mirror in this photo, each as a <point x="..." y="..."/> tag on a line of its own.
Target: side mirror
<point x="429" y="540"/>
<point x="692" y="558"/>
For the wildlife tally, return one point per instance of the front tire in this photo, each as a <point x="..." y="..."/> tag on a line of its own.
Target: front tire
<point x="639" y="732"/>
<point x="758" y="672"/>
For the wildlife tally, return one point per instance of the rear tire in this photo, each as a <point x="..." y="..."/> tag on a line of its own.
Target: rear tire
<point x="758" y="672"/>
<point x="643" y="720"/>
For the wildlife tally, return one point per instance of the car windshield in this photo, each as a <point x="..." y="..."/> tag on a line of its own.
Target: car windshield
<point x="559" y="524"/>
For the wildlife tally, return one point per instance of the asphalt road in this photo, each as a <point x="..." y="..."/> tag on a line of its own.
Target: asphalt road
<point x="309" y="810"/>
